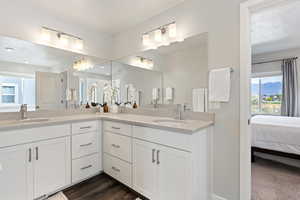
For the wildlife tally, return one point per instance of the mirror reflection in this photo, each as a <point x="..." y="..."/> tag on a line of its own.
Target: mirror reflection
<point x="135" y="85"/>
<point x="174" y="74"/>
<point x="48" y="78"/>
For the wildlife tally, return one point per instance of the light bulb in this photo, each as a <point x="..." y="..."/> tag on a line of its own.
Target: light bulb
<point x="63" y="39"/>
<point x="45" y="35"/>
<point x="158" y="35"/>
<point x="172" y="30"/>
<point x="78" y="44"/>
<point x="146" y="39"/>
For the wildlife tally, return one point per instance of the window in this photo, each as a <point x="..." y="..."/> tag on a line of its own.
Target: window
<point x="266" y="95"/>
<point x="9" y="94"/>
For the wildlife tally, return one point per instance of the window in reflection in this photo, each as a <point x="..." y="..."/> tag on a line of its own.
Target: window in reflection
<point x="16" y="90"/>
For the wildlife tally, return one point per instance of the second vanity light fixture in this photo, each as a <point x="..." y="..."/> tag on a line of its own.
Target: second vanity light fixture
<point x="144" y="62"/>
<point x="61" y="39"/>
<point x="82" y="65"/>
<point x="161" y="36"/>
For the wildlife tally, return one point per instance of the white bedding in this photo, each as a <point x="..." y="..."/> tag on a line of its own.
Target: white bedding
<point x="276" y="133"/>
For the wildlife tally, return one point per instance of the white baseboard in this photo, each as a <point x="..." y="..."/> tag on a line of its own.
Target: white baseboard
<point x="216" y="197"/>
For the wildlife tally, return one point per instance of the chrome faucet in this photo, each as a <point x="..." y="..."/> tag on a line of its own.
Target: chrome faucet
<point x="23" y="111"/>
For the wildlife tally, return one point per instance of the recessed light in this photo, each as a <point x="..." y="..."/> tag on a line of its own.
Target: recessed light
<point x="107" y="74"/>
<point x="102" y="67"/>
<point x="26" y="61"/>
<point x="9" y="49"/>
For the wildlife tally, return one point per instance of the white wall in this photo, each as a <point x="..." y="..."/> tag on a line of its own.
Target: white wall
<point x="24" y="21"/>
<point x="184" y="70"/>
<point x="274" y="66"/>
<point x="220" y="18"/>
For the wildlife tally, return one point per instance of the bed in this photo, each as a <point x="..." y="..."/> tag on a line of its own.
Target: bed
<point x="277" y="135"/>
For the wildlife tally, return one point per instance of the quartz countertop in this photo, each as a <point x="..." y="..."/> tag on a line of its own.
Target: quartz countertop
<point x="169" y="124"/>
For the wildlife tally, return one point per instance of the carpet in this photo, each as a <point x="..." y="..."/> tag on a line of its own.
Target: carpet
<point x="274" y="181"/>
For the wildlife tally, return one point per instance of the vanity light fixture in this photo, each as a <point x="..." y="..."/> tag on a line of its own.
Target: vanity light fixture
<point x="161" y="36"/>
<point x="61" y="39"/>
<point x="82" y="65"/>
<point x="144" y="62"/>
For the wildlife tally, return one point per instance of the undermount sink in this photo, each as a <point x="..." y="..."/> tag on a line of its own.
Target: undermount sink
<point x="169" y="121"/>
<point x="29" y="120"/>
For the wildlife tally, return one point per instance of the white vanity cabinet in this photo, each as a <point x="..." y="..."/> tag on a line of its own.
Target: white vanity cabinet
<point x="51" y="163"/>
<point x="86" y="150"/>
<point x="37" y="168"/>
<point x="16" y="173"/>
<point x="168" y="171"/>
<point x="117" y="147"/>
<point x="170" y="165"/>
<point x="163" y="165"/>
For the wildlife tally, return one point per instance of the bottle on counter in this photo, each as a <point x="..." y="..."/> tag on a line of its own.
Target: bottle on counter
<point x="105" y="108"/>
<point x="135" y="106"/>
<point x="87" y="106"/>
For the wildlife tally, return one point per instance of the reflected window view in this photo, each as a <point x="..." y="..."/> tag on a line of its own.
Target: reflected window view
<point x="266" y="95"/>
<point x="15" y="91"/>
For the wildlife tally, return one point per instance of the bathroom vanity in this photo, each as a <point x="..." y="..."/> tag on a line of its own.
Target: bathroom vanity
<point x="158" y="157"/>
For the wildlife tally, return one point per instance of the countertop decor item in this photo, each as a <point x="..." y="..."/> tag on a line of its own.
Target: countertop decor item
<point x="105" y="108"/>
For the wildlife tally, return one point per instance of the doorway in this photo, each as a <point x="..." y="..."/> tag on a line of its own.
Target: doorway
<point x="247" y="10"/>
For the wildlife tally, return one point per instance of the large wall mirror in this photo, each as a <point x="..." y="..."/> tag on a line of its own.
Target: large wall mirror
<point x="173" y="74"/>
<point x="47" y="78"/>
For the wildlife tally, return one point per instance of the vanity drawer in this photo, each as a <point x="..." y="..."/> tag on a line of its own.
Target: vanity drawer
<point x="115" y="127"/>
<point x="118" y="169"/>
<point x="117" y="145"/>
<point x="85" y="167"/>
<point x="83" y="127"/>
<point x="84" y="144"/>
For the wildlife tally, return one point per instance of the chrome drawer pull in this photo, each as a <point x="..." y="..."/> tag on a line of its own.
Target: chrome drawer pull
<point x="115" y="169"/>
<point x="89" y="166"/>
<point x="115" y="146"/>
<point x="157" y="157"/>
<point x="85" y="127"/>
<point x="117" y="128"/>
<point x="85" y="145"/>
<point x="36" y="153"/>
<point x="153" y="155"/>
<point x="30" y="155"/>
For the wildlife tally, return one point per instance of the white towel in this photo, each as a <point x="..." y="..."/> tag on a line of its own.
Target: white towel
<point x="155" y="94"/>
<point x="169" y="94"/>
<point x="200" y="100"/>
<point x="219" y="85"/>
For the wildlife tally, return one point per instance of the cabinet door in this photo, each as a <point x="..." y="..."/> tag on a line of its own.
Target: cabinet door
<point x="144" y="168"/>
<point x="174" y="174"/>
<point x="16" y="173"/>
<point x="52" y="168"/>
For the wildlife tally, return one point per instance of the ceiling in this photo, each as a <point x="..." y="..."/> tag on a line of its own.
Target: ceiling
<point x="276" y="28"/>
<point x="22" y="52"/>
<point x="108" y="16"/>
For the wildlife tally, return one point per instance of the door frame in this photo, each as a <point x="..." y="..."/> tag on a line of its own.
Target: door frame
<point x="246" y="8"/>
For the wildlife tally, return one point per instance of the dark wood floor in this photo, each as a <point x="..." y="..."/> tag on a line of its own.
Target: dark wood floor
<point x="101" y="187"/>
